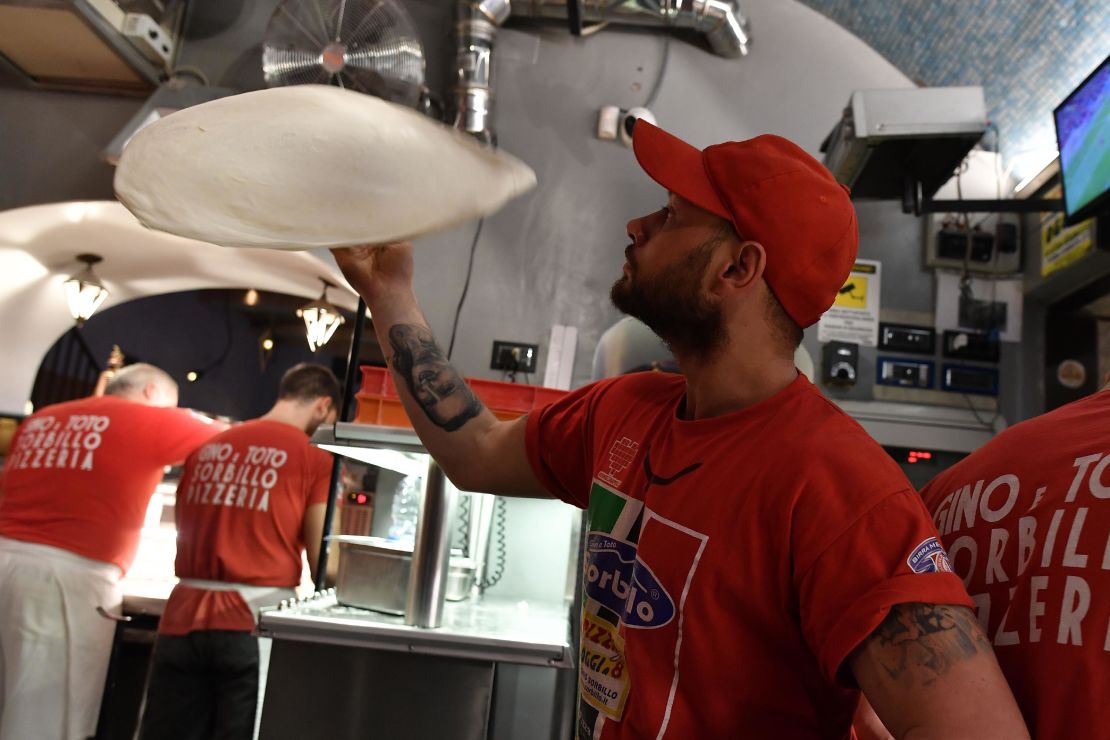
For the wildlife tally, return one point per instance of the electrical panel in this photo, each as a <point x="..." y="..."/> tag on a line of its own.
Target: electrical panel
<point x="971" y="345"/>
<point x="969" y="379"/>
<point x="903" y="338"/>
<point x="990" y="246"/>
<point x="904" y="373"/>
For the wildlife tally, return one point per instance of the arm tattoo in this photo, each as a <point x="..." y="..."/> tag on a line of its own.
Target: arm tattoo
<point x="920" y="642"/>
<point x="437" y="387"/>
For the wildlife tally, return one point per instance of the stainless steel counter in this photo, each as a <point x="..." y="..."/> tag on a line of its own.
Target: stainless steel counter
<point x="143" y="596"/>
<point x="487" y="629"/>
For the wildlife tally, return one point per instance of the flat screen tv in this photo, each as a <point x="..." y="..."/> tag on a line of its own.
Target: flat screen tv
<point x="1083" y="138"/>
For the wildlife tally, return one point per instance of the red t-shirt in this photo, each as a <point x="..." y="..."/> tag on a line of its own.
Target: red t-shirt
<point x="80" y="474"/>
<point x="1026" y="519"/>
<point x="240" y="518"/>
<point x="731" y="563"/>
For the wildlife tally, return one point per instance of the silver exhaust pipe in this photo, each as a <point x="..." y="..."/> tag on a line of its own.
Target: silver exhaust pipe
<point x="477" y="29"/>
<point x="724" y="27"/>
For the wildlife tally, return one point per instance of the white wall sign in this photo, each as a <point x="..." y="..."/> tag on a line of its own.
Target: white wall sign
<point x="854" y="316"/>
<point x="560" y="357"/>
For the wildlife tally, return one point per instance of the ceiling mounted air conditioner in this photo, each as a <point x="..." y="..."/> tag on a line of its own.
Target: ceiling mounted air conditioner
<point x="94" y="45"/>
<point x="891" y="140"/>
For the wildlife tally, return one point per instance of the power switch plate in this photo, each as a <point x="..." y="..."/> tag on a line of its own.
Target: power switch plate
<point x="971" y="345"/>
<point x="514" y="357"/>
<point x="903" y="338"/>
<point x="969" y="379"/>
<point x="904" y="373"/>
<point x="840" y="362"/>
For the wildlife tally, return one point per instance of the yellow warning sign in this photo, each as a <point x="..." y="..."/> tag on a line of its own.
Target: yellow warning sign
<point x="854" y="292"/>
<point x="1063" y="245"/>
<point x="854" y="315"/>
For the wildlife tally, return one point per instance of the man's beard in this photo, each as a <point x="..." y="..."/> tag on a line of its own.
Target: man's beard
<point x="672" y="304"/>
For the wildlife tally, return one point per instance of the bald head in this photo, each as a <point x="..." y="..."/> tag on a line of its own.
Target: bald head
<point x="143" y="383"/>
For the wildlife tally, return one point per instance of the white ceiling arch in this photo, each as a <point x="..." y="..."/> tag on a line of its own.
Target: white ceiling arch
<point x="38" y="249"/>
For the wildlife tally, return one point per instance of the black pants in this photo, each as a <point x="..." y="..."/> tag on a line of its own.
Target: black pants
<point x="202" y="685"/>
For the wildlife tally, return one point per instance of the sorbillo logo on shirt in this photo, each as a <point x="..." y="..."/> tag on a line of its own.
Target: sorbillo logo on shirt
<point x="621" y="582"/>
<point x="929" y="557"/>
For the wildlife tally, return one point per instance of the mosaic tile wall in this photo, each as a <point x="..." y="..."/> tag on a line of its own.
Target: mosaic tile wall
<point x="1027" y="54"/>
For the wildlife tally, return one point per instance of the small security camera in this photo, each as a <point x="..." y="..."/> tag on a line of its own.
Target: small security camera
<point x="628" y="120"/>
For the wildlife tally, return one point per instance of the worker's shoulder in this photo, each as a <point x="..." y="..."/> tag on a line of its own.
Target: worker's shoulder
<point x="117" y="410"/>
<point x="818" y="420"/>
<point x="643" y="387"/>
<point x="1038" y="444"/>
<point x="824" y="436"/>
<point x="87" y="405"/>
<point x="261" y="432"/>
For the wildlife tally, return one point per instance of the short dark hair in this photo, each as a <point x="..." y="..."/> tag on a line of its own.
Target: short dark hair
<point x="307" y="382"/>
<point x="785" y="328"/>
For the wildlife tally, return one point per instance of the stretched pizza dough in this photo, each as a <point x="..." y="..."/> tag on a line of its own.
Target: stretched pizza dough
<point x="310" y="166"/>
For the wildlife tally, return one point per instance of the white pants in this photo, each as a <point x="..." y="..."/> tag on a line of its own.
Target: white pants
<point x="54" y="645"/>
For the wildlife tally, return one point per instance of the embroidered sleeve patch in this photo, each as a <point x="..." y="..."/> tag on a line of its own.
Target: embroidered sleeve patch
<point x="929" y="557"/>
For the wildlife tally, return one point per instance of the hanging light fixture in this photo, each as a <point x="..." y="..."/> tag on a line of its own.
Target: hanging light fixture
<point x="84" y="291"/>
<point x="321" y="319"/>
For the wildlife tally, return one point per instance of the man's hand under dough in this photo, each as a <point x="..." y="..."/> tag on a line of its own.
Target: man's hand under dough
<point x="377" y="271"/>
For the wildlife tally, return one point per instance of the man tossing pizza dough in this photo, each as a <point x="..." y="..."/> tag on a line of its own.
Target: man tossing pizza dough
<point x="310" y="166"/>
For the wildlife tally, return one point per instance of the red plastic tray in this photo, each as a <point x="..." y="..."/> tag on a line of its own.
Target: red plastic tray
<point x="378" y="402"/>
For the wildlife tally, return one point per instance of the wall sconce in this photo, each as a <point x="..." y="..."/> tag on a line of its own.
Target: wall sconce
<point x="321" y="319"/>
<point x="84" y="291"/>
<point x="265" y="348"/>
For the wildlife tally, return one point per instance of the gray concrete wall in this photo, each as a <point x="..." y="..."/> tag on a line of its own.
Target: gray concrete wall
<point x="50" y="144"/>
<point x="550" y="257"/>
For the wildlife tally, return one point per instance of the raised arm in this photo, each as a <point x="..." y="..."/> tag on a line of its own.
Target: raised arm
<point x="477" y="451"/>
<point x="929" y="672"/>
<point x="312" y="529"/>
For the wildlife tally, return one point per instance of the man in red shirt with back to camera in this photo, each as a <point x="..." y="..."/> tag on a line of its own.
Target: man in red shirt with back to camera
<point x="753" y="559"/>
<point x="250" y="503"/>
<point x="1027" y="522"/>
<point x="73" y="498"/>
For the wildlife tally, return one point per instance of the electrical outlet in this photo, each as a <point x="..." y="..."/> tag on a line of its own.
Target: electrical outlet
<point x="514" y="357"/>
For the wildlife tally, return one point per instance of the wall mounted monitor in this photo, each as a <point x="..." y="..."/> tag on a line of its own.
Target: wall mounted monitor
<point x="1083" y="138"/>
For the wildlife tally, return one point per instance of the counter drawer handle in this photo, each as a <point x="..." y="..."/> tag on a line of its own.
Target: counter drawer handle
<point x="108" y="615"/>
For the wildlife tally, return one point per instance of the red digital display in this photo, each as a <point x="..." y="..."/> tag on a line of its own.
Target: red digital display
<point x="914" y="456"/>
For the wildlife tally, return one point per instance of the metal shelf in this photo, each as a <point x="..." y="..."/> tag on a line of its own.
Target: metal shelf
<point x="431" y="549"/>
<point x="491" y="629"/>
<point x="343" y="435"/>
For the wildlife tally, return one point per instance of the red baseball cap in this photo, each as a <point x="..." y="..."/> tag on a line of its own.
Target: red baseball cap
<point x="773" y="193"/>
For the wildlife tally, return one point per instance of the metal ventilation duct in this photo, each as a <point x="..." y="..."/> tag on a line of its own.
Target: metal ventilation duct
<point x="724" y="27"/>
<point x="477" y="29"/>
